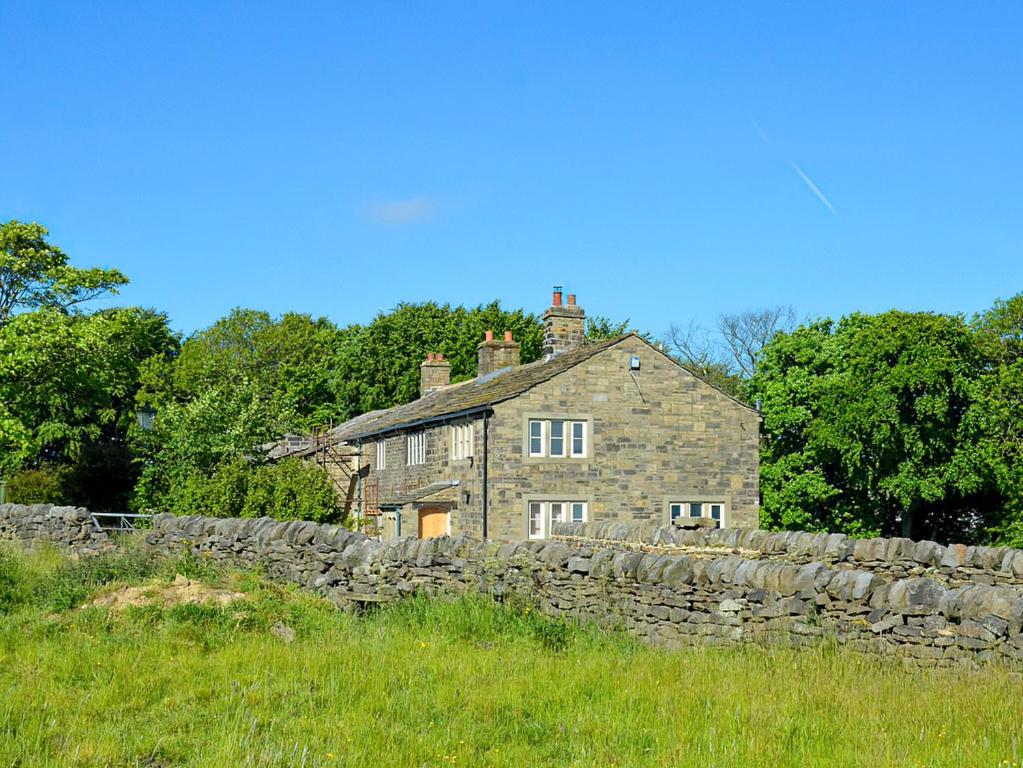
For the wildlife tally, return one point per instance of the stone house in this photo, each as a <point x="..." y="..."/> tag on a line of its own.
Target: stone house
<point x="614" y="430"/>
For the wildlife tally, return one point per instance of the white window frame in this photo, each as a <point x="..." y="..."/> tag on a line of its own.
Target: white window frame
<point x="381" y="455"/>
<point x="415" y="449"/>
<point x="545" y="509"/>
<point x="463" y="438"/>
<point x="568" y="439"/>
<point x="571" y="439"/>
<point x="542" y="437"/>
<point x="706" y="510"/>
<point x="551" y="438"/>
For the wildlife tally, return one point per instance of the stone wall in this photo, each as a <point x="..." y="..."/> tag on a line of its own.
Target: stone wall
<point x="895" y="558"/>
<point x="712" y="588"/>
<point x="68" y="527"/>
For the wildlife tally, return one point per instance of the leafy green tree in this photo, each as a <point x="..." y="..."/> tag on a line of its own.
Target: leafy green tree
<point x="378" y="365"/>
<point x="866" y="428"/>
<point x="194" y="438"/>
<point x="68" y="386"/>
<point x="35" y="274"/>
<point x="996" y="421"/>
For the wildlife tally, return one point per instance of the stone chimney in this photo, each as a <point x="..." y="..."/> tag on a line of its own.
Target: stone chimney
<point x="434" y="373"/>
<point x="563" y="326"/>
<point x="493" y="355"/>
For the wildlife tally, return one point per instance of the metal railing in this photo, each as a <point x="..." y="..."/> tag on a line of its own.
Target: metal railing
<point x="120" y="521"/>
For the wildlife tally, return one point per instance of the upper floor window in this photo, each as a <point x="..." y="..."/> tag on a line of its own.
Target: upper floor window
<point x="415" y="448"/>
<point x="557" y="438"/>
<point x="462" y="436"/>
<point x="542" y="515"/>
<point x="381" y="455"/>
<point x="715" y="510"/>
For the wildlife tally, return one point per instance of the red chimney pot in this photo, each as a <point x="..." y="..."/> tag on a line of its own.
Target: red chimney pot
<point x="508" y="336"/>
<point x="557" y="299"/>
<point x="489" y="336"/>
<point x="571" y="299"/>
<point x="429" y="357"/>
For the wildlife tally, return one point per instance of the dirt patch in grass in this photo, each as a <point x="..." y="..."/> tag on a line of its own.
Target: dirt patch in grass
<point x="182" y="591"/>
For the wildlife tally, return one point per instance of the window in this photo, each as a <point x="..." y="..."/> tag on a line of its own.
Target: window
<point x="557" y="438"/>
<point x="535" y="520"/>
<point x="578" y="438"/>
<point x="462" y="441"/>
<point x="381" y="455"/>
<point x="557" y="429"/>
<point x="415" y="448"/>
<point x="715" y="510"/>
<point x="536" y="430"/>
<point x="542" y="515"/>
<point x="578" y="512"/>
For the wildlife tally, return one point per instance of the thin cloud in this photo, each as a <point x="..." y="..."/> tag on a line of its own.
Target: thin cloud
<point x="400" y="212"/>
<point x="813" y="187"/>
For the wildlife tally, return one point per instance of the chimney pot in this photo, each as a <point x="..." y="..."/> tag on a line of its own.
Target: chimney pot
<point x="489" y="336"/>
<point x="556" y="301"/>
<point x="571" y="299"/>
<point x="508" y="336"/>
<point x="434" y="373"/>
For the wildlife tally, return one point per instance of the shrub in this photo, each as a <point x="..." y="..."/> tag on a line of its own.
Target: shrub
<point x="287" y="490"/>
<point x="291" y="489"/>
<point x="49" y="484"/>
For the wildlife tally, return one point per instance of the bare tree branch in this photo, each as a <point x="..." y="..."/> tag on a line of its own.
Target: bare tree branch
<point x="747" y="333"/>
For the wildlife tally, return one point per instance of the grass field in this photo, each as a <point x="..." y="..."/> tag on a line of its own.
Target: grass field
<point x="441" y="684"/>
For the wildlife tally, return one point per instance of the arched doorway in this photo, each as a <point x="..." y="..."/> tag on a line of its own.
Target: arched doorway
<point x="433" y="522"/>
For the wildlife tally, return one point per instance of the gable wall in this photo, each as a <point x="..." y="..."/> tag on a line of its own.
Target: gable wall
<point x="671" y="437"/>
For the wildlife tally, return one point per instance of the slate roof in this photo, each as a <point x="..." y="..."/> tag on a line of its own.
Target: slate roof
<point x="467" y="396"/>
<point x="420" y="493"/>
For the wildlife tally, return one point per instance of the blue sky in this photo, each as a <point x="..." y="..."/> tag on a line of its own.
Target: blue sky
<point x="666" y="162"/>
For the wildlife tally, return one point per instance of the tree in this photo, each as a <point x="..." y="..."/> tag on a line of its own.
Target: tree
<point x="67" y="389"/>
<point x="35" y="274"/>
<point x="866" y="428"/>
<point x="291" y="360"/>
<point x="747" y="333"/>
<point x="996" y="421"/>
<point x="728" y="355"/>
<point x="694" y="349"/>
<point x="378" y="364"/>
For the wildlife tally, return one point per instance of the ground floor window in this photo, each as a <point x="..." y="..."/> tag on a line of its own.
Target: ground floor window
<point x="715" y="510"/>
<point x="543" y="514"/>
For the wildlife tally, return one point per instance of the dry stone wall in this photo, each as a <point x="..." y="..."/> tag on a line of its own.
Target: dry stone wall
<point x="895" y="558"/>
<point x="670" y="587"/>
<point x="67" y="527"/>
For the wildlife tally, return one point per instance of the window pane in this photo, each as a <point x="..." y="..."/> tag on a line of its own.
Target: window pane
<point x="535" y="520"/>
<point x="674" y="511"/>
<point x="557" y="512"/>
<point x="715" y="511"/>
<point x="536" y="438"/>
<point x="578" y="512"/>
<point x="578" y="439"/>
<point x="557" y="438"/>
<point x="696" y="509"/>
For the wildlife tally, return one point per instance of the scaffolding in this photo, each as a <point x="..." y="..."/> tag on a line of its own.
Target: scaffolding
<point x="343" y="465"/>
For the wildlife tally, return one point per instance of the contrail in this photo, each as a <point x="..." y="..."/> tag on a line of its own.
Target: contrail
<point x="813" y="187"/>
<point x="763" y="134"/>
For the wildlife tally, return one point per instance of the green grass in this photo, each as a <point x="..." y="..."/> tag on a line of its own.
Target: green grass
<point x="444" y="683"/>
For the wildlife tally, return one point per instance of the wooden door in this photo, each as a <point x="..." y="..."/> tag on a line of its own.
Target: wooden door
<point x="433" y="523"/>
